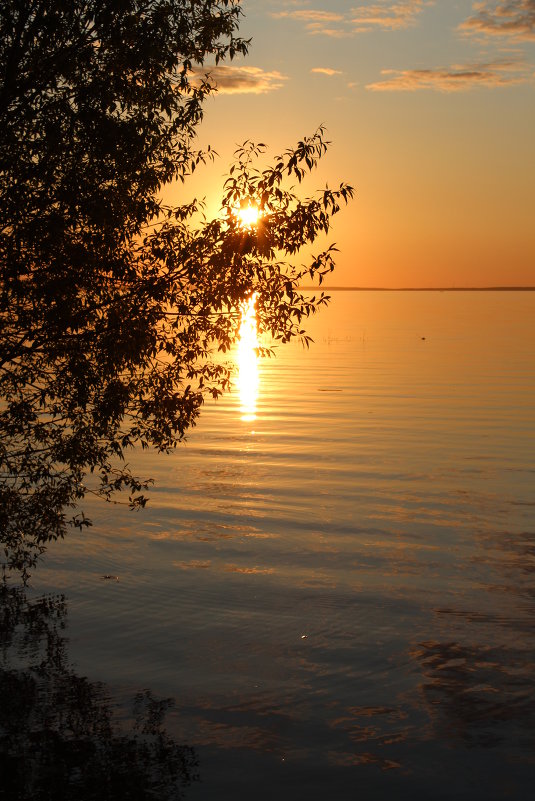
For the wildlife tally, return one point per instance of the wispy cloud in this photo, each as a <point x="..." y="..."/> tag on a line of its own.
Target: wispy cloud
<point x="454" y="79"/>
<point x="317" y="21"/>
<point x="310" y="15"/>
<point x="513" y="18"/>
<point x="232" y="80"/>
<point x="325" y="71"/>
<point x="381" y="15"/>
<point x="387" y="15"/>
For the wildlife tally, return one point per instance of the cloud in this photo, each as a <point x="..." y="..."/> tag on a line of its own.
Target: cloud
<point x="453" y="79"/>
<point x="233" y="80"/>
<point x="387" y="16"/>
<point x="325" y="71"/>
<point x="514" y="18"/>
<point x="316" y="21"/>
<point x="310" y="15"/>
<point x="380" y="15"/>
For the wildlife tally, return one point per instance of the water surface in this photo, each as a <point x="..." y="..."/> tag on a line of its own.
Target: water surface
<point x="338" y="593"/>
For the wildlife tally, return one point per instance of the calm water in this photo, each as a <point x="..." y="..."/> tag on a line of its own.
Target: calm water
<point x="339" y="595"/>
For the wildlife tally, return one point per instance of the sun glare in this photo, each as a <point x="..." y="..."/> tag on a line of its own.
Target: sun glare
<point x="248" y="215"/>
<point x="248" y="378"/>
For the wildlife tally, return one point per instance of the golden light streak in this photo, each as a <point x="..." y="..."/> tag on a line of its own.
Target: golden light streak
<point x="248" y="377"/>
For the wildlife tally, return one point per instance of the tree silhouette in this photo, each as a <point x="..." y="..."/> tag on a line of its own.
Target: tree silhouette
<point x="115" y="309"/>
<point x="59" y="738"/>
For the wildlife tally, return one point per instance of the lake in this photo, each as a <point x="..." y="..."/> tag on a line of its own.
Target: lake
<point x="335" y="584"/>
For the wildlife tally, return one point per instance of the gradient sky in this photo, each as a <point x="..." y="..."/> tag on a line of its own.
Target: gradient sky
<point x="430" y="108"/>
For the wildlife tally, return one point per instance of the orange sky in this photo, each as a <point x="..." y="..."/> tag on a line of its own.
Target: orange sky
<point x="431" y="110"/>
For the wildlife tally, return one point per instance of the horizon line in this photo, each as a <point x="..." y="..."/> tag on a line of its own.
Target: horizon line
<point x="423" y="288"/>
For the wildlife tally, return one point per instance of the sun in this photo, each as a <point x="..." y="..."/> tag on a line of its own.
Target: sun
<point x="248" y="215"/>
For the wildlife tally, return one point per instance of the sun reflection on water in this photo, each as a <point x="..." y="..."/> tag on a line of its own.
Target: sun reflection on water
<point x="247" y="357"/>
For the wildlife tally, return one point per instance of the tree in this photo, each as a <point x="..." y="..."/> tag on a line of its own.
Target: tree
<point x="114" y="308"/>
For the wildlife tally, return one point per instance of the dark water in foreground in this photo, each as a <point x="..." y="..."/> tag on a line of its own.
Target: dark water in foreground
<point x="337" y="595"/>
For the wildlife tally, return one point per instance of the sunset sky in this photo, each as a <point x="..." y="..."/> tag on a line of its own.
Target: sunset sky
<point x="430" y="108"/>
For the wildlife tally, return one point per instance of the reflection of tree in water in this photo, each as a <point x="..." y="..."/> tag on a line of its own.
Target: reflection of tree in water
<point x="59" y="738"/>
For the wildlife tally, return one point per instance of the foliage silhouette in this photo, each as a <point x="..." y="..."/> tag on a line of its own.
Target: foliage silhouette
<point x="114" y="308"/>
<point x="59" y="740"/>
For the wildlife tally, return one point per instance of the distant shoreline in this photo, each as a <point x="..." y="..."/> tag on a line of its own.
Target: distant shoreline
<point x="422" y="288"/>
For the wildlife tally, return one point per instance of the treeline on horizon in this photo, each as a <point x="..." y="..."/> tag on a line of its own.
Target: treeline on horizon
<point x="426" y="288"/>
